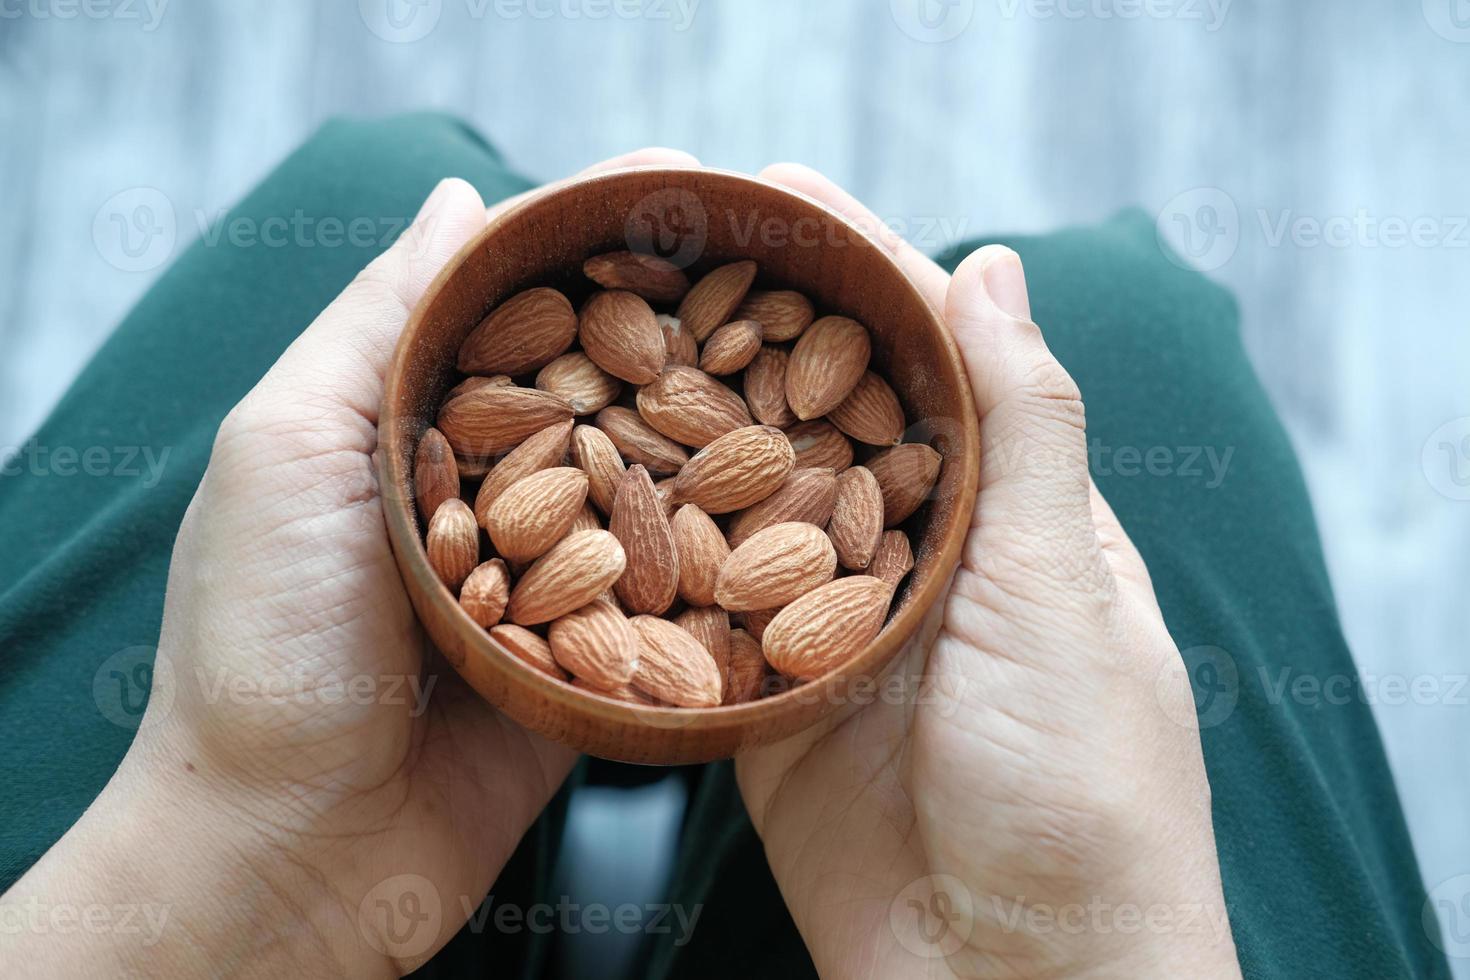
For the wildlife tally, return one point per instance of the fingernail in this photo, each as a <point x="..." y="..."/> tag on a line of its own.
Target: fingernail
<point x="1005" y="283"/>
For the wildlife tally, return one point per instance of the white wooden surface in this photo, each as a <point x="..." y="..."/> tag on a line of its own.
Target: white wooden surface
<point x="1034" y="115"/>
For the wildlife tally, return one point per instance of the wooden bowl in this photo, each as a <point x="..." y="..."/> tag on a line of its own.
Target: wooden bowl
<point x="699" y="219"/>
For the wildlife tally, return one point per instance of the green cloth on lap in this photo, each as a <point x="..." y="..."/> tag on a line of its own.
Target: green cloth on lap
<point x="1318" y="871"/>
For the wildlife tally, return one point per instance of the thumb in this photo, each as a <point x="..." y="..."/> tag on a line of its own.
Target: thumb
<point x="340" y="360"/>
<point x="1034" y="483"/>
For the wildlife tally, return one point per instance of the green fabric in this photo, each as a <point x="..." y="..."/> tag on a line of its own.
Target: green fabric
<point x="1318" y="870"/>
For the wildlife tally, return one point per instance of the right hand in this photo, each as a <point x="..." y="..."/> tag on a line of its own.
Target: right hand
<point x="1045" y="772"/>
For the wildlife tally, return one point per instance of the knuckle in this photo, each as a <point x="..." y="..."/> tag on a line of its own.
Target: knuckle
<point x="296" y="444"/>
<point x="1044" y="382"/>
<point x="259" y="429"/>
<point x="1039" y="441"/>
<point x="1059" y="568"/>
<point x="1073" y="565"/>
<point x="380" y="283"/>
<point x="235" y="429"/>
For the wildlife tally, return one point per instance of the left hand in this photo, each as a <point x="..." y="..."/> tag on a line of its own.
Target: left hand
<point x="307" y="757"/>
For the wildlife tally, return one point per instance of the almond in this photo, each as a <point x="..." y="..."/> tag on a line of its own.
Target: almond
<point x="651" y="578"/>
<point x="746" y="674"/>
<point x="619" y="332"/>
<point x="623" y="692"/>
<point x="710" y="625"/>
<point x="665" y="490"/>
<point x="473" y="467"/>
<point x="782" y="313"/>
<point x="656" y="280"/>
<point x="492" y="419"/>
<point x="871" y="413"/>
<point x="543" y="450"/>
<point x="475" y="381"/>
<point x="594" y="453"/>
<point x="894" y="558"/>
<point x="905" y="475"/>
<point x="744" y="404"/>
<point x="679" y="346"/>
<point x="827" y="626"/>
<point x="596" y="644"/>
<point x="637" y="441"/>
<point x="756" y="621"/>
<point x="585" y="386"/>
<point x="819" y="443"/>
<point x="731" y="347"/>
<point x="825" y="366"/>
<point x="480" y="381"/>
<point x="738" y="469"/>
<point x="691" y="407"/>
<point x="529" y="647"/>
<point x="435" y="473"/>
<point x="806" y="495"/>
<point x="453" y="542"/>
<point x="776" y="566"/>
<point x="674" y="667"/>
<point x="586" y="520"/>
<point x="714" y="298"/>
<point x="536" y="512"/>
<point x="857" y="517"/>
<point x="522" y="334"/>
<point x="765" y="388"/>
<point x="567" y="577"/>
<point x="702" y="550"/>
<point x="486" y="592"/>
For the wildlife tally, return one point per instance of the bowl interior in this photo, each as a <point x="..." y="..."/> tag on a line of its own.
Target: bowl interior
<point x="699" y="219"/>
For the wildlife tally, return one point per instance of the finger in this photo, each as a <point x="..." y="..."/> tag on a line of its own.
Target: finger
<point x="930" y="279"/>
<point x="649" y="156"/>
<point x="340" y="360"/>
<point x="1034" y="479"/>
<point x="344" y="354"/>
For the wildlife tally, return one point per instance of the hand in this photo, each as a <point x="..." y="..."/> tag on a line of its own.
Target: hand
<point x="1039" y="775"/>
<point x="306" y="755"/>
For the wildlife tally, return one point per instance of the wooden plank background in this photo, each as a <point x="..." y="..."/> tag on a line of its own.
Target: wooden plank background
<point x="1036" y="113"/>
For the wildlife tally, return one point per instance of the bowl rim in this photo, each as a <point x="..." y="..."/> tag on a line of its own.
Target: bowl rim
<point x="394" y="468"/>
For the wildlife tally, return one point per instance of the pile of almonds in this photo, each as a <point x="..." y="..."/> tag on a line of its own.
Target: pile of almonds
<point x="709" y="482"/>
